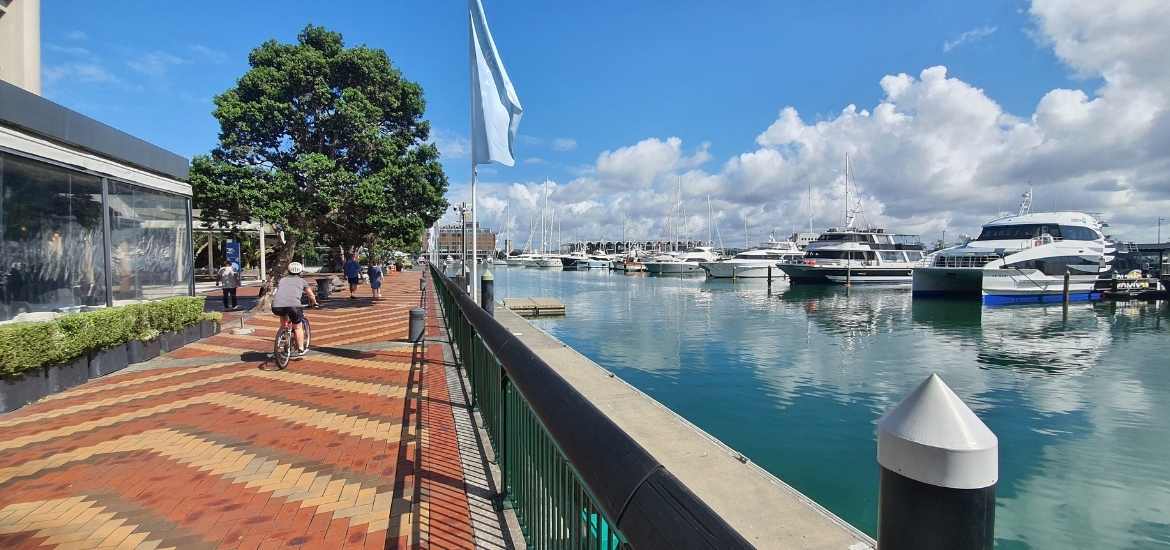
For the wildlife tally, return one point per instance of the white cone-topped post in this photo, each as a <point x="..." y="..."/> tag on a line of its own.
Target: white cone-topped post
<point x="939" y="467"/>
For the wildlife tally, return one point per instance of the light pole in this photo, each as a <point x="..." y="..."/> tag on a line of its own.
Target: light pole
<point x="1160" y="220"/>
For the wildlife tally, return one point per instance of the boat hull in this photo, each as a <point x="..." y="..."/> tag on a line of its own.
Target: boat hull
<point x="814" y="274"/>
<point x="1003" y="286"/>
<point x="738" y="270"/>
<point x="656" y="268"/>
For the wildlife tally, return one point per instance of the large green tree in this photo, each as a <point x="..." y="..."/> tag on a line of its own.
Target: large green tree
<point x="328" y="143"/>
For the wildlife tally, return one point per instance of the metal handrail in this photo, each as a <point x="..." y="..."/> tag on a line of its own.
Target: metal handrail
<point x="574" y="478"/>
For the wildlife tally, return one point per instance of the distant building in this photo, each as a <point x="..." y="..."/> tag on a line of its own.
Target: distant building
<point x="89" y="215"/>
<point x="451" y="240"/>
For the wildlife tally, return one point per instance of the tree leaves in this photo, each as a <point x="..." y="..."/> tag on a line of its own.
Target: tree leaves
<point x="326" y="141"/>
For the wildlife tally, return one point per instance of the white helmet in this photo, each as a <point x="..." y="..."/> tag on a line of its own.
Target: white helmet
<point x="295" y="268"/>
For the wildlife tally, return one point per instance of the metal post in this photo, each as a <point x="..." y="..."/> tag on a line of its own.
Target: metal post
<point x="939" y="467"/>
<point x="487" y="293"/>
<point x="1066" y="293"/>
<point x="769" y="274"/>
<point x="108" y="245"/>
<point x="263" y="265"/>
<point x="418" y="319"/>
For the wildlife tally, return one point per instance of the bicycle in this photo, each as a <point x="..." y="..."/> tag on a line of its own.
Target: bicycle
<point x="282" y="350"/>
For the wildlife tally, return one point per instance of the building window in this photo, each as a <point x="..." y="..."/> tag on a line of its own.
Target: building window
<point x="148" y="232"/>
<point x="52" y="248"/>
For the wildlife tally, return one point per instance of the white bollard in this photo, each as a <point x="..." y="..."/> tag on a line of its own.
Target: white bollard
<point x="939" y="468"/>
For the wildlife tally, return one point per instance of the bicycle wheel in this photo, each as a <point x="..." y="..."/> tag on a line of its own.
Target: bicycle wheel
<point x="308" y="333"/>
<point x="282" y="350"/>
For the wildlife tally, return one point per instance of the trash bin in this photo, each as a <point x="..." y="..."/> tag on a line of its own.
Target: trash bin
<point x="323" y="288"/>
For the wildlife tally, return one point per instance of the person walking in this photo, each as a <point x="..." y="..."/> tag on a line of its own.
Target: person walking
<point x="229" y="280"/>
<point x="375" y="275"/>
<point x="353" y="271"/>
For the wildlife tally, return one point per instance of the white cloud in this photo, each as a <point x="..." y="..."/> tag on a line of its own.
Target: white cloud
<point x="644" y="161"/>
<point x="934" y="153"/>
<point x="76" y="35"/>
<point x="564" y="144"/>
<point x="209" y="54"/>
<point x="75" y="51"/>
<point x="452" y="146"/>
<point x="534" y="160"/>
<point x="79" y="72"/>
<point x="973" y="35"/>
<point x="155" y="63"/>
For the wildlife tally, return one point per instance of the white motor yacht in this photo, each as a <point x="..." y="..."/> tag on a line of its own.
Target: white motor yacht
<point x="755" y="263"/>
<point x="686" y="262"/>
<point x="594" y="262"/>
<point x="1022" y="258"/>
<point x="547" y="260"/>
<point x="851" y="255"/>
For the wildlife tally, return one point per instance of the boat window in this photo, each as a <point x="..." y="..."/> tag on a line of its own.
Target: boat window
<point x="891" y="256"/>
<point x="1078" y="233"/>
<point x="1022" y="231"/>
<point x="827" y="254"/>
<point x="832" y="237"/>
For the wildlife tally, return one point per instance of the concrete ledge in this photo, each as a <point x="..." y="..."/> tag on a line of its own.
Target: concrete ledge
<point x="765" y="510"/>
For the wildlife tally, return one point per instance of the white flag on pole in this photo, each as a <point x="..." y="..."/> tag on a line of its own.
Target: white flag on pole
<point x="495" y="109"/>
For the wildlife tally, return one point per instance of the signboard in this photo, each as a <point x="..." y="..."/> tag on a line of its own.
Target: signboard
<point x="232" y="249"/>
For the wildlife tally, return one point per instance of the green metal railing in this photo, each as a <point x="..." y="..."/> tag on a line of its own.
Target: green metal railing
<point x="555" y="508"/>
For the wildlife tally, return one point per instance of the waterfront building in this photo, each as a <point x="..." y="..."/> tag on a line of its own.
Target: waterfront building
<point x="451" y="239"/>
<point x="89" y="215"/>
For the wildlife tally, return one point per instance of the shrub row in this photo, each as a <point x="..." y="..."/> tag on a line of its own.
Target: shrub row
<point x="25" y="346"/>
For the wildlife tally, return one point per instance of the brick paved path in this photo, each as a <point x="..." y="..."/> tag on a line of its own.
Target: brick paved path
<point x="352" y="447"/>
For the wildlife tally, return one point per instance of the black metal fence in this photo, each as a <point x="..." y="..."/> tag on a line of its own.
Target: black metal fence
<point x="573" y="477"/>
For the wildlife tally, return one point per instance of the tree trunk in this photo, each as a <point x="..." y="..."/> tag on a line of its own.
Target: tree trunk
<point x="284" y="254"/>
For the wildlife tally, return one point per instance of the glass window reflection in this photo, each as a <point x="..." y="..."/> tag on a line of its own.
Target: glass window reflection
<point x="51" y="241"/>
<point x="148" y="231"/>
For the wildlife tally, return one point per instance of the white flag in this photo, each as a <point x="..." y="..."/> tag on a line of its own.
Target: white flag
<point x="495" y="109"/>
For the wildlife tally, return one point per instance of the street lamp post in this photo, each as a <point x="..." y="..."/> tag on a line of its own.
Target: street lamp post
<point x="1160" y="220"/>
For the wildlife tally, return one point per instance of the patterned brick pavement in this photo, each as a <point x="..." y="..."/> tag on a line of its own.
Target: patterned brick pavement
<point x="352" y="447"/>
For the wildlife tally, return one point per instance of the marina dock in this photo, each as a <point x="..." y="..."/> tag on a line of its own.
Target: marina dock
<point x="535" y="307"/>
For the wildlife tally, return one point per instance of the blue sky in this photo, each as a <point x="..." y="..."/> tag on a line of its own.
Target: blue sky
<point x="600" y="76"/>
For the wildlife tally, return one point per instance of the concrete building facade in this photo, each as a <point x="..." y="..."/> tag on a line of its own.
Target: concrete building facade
<point x="20" y="43"/>
<point x="451" y="240"/>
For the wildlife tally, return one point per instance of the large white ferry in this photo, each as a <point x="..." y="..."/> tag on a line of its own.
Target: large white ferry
<point x="851" y="255"/>
<point x="1022" y="258"/>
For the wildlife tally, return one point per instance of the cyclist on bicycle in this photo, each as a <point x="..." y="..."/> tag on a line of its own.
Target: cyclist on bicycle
<point x="286" y="302"/>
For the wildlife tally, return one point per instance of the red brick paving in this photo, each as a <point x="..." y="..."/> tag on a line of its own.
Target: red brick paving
<point x="338" y="451"/>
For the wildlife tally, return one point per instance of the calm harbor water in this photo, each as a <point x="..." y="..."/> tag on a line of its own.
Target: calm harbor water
<point x="796" y="378"/>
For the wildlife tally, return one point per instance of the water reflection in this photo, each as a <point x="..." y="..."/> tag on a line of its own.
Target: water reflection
<point x="795" y="378"/>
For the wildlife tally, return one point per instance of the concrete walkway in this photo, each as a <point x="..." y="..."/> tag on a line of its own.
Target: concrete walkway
<point x="355" y="446"/>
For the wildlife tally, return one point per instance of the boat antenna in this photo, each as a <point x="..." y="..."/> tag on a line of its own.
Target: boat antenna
<point x="1026" y="203"/>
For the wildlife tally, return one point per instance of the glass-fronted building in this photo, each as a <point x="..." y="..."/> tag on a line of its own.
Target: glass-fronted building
<point x="89" y="215"/>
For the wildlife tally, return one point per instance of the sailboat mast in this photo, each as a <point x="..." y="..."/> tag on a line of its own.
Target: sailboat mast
<point x="846" y="189"/>
<point x="542" y="207"/>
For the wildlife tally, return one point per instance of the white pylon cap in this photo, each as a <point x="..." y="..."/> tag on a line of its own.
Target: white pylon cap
<point x="932" y="437"/>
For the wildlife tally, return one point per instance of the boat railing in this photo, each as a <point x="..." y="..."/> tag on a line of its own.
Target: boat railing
<point x="573" y="477"/>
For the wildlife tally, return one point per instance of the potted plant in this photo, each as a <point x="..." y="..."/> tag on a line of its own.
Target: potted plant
<point x="23" y="349"/>
<point x="144" y="347"/>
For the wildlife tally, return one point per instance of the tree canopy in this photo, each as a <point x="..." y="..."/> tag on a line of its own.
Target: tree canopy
<point x="327" y="142"/>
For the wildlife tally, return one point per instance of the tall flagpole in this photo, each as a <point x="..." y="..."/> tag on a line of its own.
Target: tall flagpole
<point x="474" y="282"/>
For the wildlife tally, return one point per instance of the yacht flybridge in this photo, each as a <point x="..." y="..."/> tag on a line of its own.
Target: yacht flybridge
<point x="1023" y="258"/>
<point x="851" y="255"/>
<point x="754" y="263"/>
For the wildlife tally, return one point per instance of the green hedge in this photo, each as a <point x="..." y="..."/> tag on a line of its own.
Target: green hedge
<point x="25" y="346"/>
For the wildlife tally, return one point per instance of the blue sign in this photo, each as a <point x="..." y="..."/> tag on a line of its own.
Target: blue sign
<point x="232" y="249"/>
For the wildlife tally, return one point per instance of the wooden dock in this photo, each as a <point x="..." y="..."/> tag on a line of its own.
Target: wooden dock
<point x="535" y="307"/>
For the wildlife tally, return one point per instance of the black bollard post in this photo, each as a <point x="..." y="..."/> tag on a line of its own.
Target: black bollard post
<point x="939" y="467"/>
<point x="1065" y="297"/>
<point x="769" y="275"/>
<point x="487" y="292"/>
